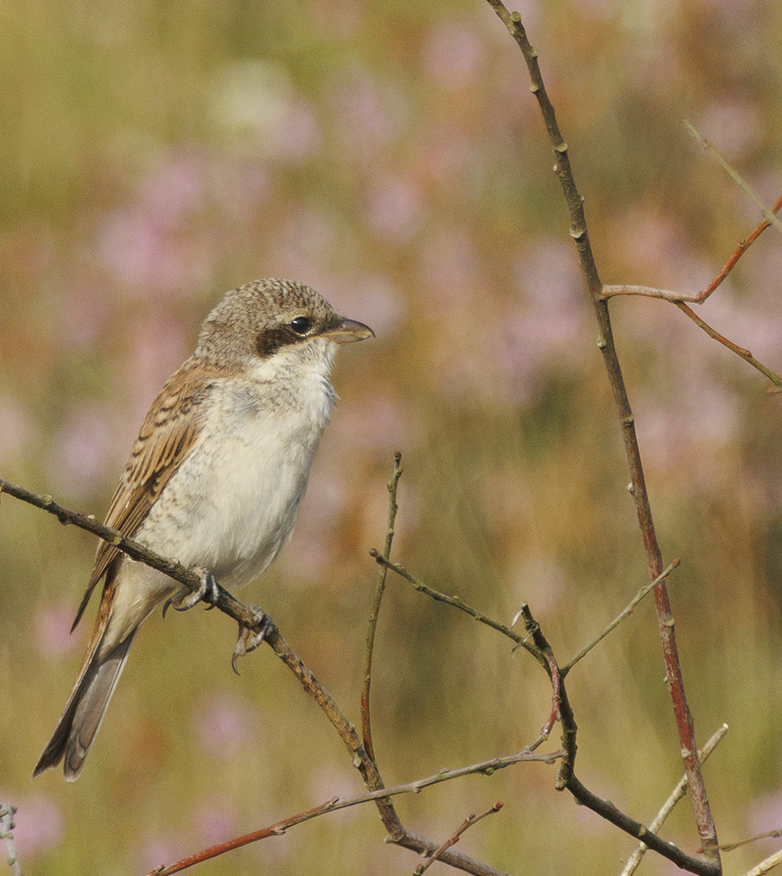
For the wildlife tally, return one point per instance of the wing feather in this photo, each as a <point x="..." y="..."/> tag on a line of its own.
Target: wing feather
<point x="167" y="435"/>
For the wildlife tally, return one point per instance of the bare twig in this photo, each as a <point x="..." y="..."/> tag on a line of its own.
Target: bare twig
<point x="769" y="834"/>
<point x="649" y="292"/>
<point x="452" y="840"/>
<point x="578" y="230"/>
<point x="335" y="804"/>
<point x="226" y="603"/>
<point x="366" y="721"/>
<point x="679" y="300"/>
<point x="768" y="215"/>
<point x="739" y="351"/>
<point x="743" y="246"/>
<point x="538" y="645"/>
<point x="764" y="866"/>
<point x="678" y="792"/>
<point x="456" y="602"/>
<point x="699" y="297"/>
<point x="642" y="593"/>
<point x="607" y="810"/>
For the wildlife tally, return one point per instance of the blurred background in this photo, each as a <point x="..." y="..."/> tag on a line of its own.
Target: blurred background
<point x="155" y="155"/>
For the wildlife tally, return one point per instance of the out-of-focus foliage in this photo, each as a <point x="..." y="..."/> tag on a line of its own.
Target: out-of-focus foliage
<point x="154" y="155"/>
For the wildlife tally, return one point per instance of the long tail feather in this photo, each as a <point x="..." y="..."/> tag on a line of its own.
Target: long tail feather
<point x="84" y="712"/>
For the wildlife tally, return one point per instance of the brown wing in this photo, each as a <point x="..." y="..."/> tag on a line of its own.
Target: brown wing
<point x="166" y="437"/>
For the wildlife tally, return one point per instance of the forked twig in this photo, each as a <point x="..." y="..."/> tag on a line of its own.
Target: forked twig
<point x="227" y="604"/>
<point x="335" y="804"/>
<point x="681" y="300"/>
<point x="678" y="792"/>
<point x="698" y="297"/>
<point x="454" y="838"/>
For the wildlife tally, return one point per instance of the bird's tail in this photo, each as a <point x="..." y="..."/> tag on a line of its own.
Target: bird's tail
<point x="84" y="711"/>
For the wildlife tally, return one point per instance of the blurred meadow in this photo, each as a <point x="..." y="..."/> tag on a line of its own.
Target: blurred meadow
<point x="155" y="155"/>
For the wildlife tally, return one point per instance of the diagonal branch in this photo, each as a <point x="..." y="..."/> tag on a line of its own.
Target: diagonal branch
<point x="739" y="351"/>
<point x="335" y="804"/>
<point x="625" y="613"/>
<point x="768" y="215"/>
<point x="454" y="838"/>
<point x="678" y="792"/>
<point x="227" y="604"/>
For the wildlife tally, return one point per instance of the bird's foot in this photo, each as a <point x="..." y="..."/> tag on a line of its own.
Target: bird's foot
<point x="185" y="598"/>
<point x="250" y="638"/>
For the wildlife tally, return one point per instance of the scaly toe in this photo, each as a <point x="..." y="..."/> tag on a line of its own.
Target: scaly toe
<point x="185" y="599"/>
<point x="249" y="639"/>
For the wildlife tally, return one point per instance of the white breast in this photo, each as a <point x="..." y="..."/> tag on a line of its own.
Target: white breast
<point x="233" y="502"/>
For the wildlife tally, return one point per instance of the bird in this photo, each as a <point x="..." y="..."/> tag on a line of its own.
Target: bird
<point x="215" y="478"/>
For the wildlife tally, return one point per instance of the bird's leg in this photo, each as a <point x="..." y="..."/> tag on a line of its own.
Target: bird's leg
<point x="185" y="598"/>
<point x="249" y="639"/>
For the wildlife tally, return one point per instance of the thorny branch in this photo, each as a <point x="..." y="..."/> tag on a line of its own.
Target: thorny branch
<point x="578" y="230"/>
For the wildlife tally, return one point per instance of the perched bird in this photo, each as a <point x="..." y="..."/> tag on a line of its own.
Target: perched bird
<point x="215" y="478"/>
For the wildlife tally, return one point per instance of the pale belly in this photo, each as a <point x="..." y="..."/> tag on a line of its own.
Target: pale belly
<point x="233" y="503"/>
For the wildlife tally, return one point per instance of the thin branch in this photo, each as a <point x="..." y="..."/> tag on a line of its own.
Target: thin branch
<point x="225" y="602"/>
<point x="277" y="829"/>
<point x="544" y="656"/>
<point x="769" y="834"/>
<point x="678" y="299"/>
<point x="739" y="351"/>
<point x="768" y="215"/>
<point x="607" y="810"/>
<point x="335" y="804"/>
<point x="678" y="792"/>
<point x="649" y="292"/>
<point x="452" y="840"/>
<point x="578" y="231"/>
<point x="743" y="246"/>
<point x="366" y="721"/>
<point x="566" y="779"/>
<point x="764" y="866"/>
<point x="538" y="645"/>
<point x="559" y="701"/>
<point x="699" y="297"/>
<point x="456" y="602"/>
<point x="625" y="613"/>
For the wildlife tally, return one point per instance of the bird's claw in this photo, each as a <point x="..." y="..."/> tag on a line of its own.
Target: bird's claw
<point x="249" y="638"/>
<point x="185" y="599"/>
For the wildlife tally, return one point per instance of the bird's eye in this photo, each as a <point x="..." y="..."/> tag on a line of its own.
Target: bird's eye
<point x="301" y="325"/>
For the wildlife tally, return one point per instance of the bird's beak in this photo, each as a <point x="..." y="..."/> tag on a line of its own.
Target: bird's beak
<point x="348" y="330"/>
